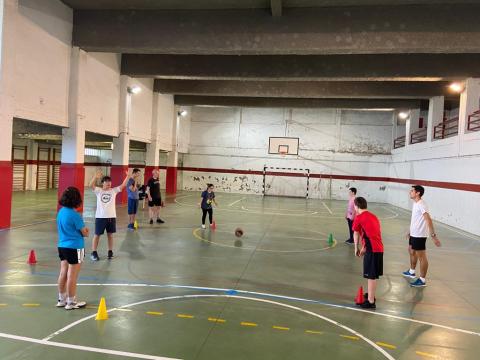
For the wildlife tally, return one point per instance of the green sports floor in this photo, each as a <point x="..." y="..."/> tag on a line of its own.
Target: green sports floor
<point x="175" y="291"/>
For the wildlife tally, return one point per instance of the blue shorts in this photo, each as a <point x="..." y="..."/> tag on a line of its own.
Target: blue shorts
<point x="108" y="224"/>
<point x="132" y="206"/>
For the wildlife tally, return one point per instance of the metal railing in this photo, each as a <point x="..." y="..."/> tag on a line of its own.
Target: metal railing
<point x="418" y="136"/>
<point x="473" y="122"/>
<point x="399" y="142"/>
<point x="446" y="129"/>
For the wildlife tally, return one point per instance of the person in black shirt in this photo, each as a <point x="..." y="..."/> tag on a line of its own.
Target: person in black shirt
<point x="154" y="197"/>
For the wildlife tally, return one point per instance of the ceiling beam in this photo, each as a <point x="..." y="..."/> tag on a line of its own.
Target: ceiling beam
<point x="447" y="28"/>
<point x="276" y="8"/>
<point x="304" y="89"/>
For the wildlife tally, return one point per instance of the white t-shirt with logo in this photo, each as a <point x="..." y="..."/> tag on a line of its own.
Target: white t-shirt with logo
<point x="418" y="225"/>
<point x="106" y="202"/>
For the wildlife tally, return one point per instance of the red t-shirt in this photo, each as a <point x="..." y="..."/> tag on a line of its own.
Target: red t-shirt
<point x="368" y="225"/>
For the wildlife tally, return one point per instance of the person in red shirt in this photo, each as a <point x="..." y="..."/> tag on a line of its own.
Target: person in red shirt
<point x="366" y="227"/>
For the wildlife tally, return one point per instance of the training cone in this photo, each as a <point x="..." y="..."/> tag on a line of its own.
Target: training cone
<point x="359" y="298"/>
<point x="330" y="239"/>
<point x="135" y="225"/>
<point x="213" y="226"/>
<point x="32" y="259"/>
<point x="102" y="313"/>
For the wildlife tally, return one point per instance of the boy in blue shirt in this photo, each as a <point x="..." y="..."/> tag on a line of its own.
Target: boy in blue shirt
<point x="71" y="248"/>
<point x="133" y="196"/>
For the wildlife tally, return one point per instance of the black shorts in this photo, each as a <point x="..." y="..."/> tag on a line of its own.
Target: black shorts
<point x="132" y="206"/>
<point x="102" y="224"/>
<point x="155" y="202"/>
<point x="72" y="256"/>
<point x="372" y="265"/>
<point x="417" y="243"/>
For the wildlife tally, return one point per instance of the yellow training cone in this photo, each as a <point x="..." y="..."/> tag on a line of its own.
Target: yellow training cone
<point x="102" y="313"/>
<point x="135" y="225"/>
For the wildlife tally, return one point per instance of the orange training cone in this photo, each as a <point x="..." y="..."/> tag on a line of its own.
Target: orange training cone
<point x="32" y="259"/>
<point x="359" y="298"/>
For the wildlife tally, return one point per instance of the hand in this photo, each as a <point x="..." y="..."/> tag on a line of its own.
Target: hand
<point x="199" y="204"/>
<point x="99" y="174"/>
<point x="162" y="204"/>
<point x="407" y="236"/>
<point x="436" y="241"/>
<point x="363" y="251"/>
<point x="149" y="198"/>
<point x="356" y="251"/>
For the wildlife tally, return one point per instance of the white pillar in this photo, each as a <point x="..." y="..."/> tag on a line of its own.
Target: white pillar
<point x="121" y="145"/>
<point x="469" y="103"/>
<point x="435" y="114"/>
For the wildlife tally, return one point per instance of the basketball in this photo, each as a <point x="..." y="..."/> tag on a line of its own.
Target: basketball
<point x="238" y="232"/>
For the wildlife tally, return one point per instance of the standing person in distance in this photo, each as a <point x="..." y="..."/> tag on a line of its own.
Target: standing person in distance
<point x="420" y="226"/>
<point x="154" y="197"/>
<point x="208" y="197"/>
<point x="350" y="213"/>
<point x="133" y="196"/>
<point x="106" y="213"/>
<point x="71" y="248"/>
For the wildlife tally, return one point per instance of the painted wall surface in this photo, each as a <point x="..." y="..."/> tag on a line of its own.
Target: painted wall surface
<point x="140" y="123"/>
<point x="165" y="121"/>
<point x="43" y="31"/>
<point x="183" y="131"/>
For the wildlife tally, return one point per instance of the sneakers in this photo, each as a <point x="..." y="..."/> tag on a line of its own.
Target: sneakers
<point x="203" y="226"/>
<point x="160" y="221"/>
<point x="151" y="222"/>
<point x="110" y="254"/>
<point x="130" y="227"/>
<point x="75" y="305"/>
<point x="409" y="274"/>
<point x="61" y="303"/>
<point x="349" y="241"/>
<point x="94" y="256"/>
<point x="418" y="283"/>
<point x="368" y="305"/>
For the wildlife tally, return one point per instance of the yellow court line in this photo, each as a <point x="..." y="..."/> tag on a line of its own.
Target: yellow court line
<point x="30" y="305"/>
<point x="313" y="332"/>
<point x="217" y="320"/>
<point x="421" y="353"/>
<point x="281" y="328"/>
<point x="248" y="324"/>
<point x="350" y="337"/>
<point x="154" y="313"/>
<point x="3" y="305"/>
<point x="385" y="345"/>
<point x="185" y="316"/>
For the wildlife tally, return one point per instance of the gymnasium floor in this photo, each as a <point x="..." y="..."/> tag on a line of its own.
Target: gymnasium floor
<point x="279" y="292"/>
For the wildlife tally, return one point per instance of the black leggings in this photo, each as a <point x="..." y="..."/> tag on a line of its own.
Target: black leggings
<point x="350" y="230"/>
<point x="210" y="215"/>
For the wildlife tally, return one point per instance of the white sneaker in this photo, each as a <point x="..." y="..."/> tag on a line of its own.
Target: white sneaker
<point x="203" y="227"/>
<point x="61" y="303"/>
<point x="75" y="305"/>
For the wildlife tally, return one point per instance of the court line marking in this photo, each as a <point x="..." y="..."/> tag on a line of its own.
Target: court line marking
<point x="233" y="203"/>
<point x="154" y="313"/>
<point x="280" y="328"/>
<point x="326" y="207"/>
<point x="350" y="337"/>
<point x="185" y="316"/>
<point x="292" y="298"/>
<point x="421" y="353"/>
<point x="389" y="346"/>
<point x="314" y="332"/>
<point x="217" y="320"/>
<point x="245" y="323"/>
<point x="84" y="348"/>
<point x="344" y="327"/>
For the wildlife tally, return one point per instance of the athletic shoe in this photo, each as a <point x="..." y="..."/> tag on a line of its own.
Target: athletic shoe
<point x="130" y="227"/>
<point x="61" y="303"/>
<point x="160" y="221"/>
<point x="151" y="221"/>
<point x="348" y="241"/>
<point x="94" y="256"/>
<point x="203" y="226"/>
<point x="75" y="305"/>
<point x="368" y="305"/>
<point x="110" y="254"/>
<point x="365" y="297"/>
<point x="409" y="274"/>
<point x="418" y="283"/>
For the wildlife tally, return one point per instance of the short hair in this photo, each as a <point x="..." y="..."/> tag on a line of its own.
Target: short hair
<point x="419" y="189"/>
<point x="106" y="178"/>
<point x="360" y="202"/>
<point x="136" y="170"/>
<point x="353" y="190"/>
<point x="209" y="185"/>
<point x="71" y="198"/>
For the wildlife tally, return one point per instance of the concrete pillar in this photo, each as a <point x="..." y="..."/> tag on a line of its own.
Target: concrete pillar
<point x="72" y="171"/>
<point x="152" y="158"/>
<point x="8" y="10"/>
<point x="469" y="103"/>
<point x="172" y="170"/>
<point x="435" y="114"/>
<point x="121" y="145"/>
<point x="407" y="132"/>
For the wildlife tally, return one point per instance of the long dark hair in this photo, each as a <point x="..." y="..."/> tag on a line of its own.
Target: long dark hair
<point x="71" y="198"/>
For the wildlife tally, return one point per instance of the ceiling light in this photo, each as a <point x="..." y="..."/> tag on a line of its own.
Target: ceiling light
<point x="134" y="89"/>
<point x="456" y="87"/>
<point x="182" y="113"/>
<point x="403" y="115"/>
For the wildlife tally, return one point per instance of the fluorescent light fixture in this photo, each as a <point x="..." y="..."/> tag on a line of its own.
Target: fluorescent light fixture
<point x="134" y="89"/>
<point x="403" y="115"/>
<point x="456" y="87"/>
<point x="182" y="113"/>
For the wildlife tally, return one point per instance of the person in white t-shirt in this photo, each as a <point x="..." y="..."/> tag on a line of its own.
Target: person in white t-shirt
<point x="420" y="226"/>
<point x="105" y="215"/>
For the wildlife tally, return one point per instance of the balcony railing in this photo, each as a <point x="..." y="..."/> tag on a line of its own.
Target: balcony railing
<point x="418" y="136"/>
<point x="446" y="129"/>
<point x="399" y="142"/>
<point x="473" y="122"/>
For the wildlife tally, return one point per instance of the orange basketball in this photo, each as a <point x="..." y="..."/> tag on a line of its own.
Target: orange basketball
<point x="238" y="232"/>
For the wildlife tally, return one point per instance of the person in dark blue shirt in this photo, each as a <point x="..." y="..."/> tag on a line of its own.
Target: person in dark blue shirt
<point x="208" y="197"/>
<point x="71" y="248"/>
<point x="133" y="196"/>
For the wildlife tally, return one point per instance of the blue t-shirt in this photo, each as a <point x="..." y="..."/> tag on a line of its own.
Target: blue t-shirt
<point x="69" y="224"/>
<point x="207" y="199"/>
<point x="132" y="194"/>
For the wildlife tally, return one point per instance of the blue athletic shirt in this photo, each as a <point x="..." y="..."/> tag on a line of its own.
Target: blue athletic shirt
<point x="69" y="224"/>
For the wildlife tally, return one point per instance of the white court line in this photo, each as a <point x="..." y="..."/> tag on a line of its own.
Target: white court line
<point x="233" y="203"/>
<point x="84" y="348"/>
<point x="326" y="207"/>
<point x="370" y="342"/>
<point x="191" y="287"/>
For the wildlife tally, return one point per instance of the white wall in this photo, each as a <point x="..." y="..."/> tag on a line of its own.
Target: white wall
<point x="165" y="121"/>
<point x="140" y="126"/>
